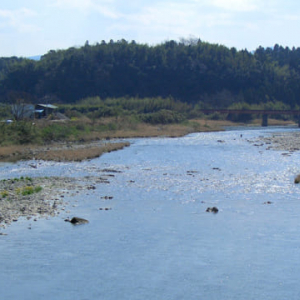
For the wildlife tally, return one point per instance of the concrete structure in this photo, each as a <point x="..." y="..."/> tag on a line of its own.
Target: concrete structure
<point x="263" y="113"/>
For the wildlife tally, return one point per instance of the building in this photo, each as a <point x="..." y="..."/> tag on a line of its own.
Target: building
<point x="44" y="110"/>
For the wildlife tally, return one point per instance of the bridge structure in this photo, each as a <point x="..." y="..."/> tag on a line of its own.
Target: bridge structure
<point x="264" y="113"/>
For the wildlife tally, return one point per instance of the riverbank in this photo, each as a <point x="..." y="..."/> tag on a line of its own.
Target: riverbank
<point x="41" y="197"/>
<point x="94" y="145"/>
<point x="65" y="151"/>
<point x="32" y="198"/>
<point x="283" y="141"/>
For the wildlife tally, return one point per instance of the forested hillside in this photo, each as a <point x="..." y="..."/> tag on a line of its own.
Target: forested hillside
<point x="190" y="71"/>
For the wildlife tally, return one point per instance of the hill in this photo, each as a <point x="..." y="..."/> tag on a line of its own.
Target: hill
<point x="190" y="71"/>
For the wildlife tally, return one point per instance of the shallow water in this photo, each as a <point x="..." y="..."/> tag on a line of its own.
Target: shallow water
<point x="158" y="241"/>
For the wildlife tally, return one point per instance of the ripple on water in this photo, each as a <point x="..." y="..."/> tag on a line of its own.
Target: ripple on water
<point x="158" y="240"/>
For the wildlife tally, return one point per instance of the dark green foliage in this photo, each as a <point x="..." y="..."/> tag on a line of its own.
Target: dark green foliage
<point x="162" y="117"/>
<point x="191" y="71"/>
<point x="21" y="132"/>
<point x="60" y="132"/>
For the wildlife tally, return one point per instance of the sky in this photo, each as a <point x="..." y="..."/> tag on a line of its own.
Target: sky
<point x="34" y="27"/>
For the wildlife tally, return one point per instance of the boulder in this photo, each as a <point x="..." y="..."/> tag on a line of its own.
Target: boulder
<point x="297" y="179"/>
<point x="77" y="221"/>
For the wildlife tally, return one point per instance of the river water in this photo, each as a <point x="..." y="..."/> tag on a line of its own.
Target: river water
<point x="158" y="241"/>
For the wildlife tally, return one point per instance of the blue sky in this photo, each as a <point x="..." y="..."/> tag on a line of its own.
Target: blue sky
<point x="33" y="27"/>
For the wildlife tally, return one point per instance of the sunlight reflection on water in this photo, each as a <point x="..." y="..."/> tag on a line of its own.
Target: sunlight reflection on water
<point x="158" y="241"/>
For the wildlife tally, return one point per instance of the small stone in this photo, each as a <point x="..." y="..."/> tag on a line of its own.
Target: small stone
<point x="268" y="202"/>
<point x="92" y="187"/>
<point x="212" y="209"/>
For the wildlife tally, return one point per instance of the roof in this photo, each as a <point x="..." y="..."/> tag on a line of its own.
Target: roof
<point x="48" y="106"/>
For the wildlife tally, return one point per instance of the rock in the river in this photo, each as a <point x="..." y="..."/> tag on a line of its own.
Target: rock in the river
<point x="297" y="179"/>
<point x="77" y="221"/>
<point x="212" y="209"/>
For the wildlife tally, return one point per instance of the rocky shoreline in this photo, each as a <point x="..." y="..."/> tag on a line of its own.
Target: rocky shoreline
<point x="35" y="198"/>
<point x="283" y="141"/>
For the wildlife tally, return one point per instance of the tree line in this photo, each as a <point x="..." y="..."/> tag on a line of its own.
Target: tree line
<point x="190" y="71"/>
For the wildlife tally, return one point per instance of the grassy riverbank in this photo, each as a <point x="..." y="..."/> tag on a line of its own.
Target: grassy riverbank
<point x="84" y="139"/>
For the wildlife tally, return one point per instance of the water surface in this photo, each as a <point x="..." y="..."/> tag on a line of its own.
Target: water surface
<point x="158" y="241"/>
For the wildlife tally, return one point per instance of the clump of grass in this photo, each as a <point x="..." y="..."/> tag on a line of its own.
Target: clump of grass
<point x="4" y="194"/>
<point x="28" y="190"/>
<point x="24" y="178"/>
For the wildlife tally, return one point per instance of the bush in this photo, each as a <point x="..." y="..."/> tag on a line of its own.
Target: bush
<point x="162" y="117"/>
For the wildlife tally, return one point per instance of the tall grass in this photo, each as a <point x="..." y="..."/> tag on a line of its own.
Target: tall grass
<point x="95" y="117"/>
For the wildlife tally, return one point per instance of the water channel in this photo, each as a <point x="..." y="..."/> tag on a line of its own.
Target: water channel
<point x="158" y="241"/>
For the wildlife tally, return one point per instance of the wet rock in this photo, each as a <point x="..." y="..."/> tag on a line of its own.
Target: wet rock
<point x="102" y="180"/>
<point x="107" y="197"/>
<point x="91" y="187"/>
<point x="192" y="172"/>
<point x="77" y="221"/>
<point x="111" y="171"/>
<point x="297" y="179"/>
<point x="212" y="209"/>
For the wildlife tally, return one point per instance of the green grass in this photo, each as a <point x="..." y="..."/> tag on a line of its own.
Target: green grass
<point x="4" y="194"/>
<point x="28" y="190"/>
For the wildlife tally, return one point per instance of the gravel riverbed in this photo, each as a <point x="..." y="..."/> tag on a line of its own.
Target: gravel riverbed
<point x="35" y="198"/>
<point x="284" y="141"/>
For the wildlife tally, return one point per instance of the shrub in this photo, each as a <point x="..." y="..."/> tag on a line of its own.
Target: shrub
<point x="162" y="117"/>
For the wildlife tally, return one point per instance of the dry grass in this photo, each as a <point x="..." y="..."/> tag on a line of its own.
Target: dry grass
<point x="58" y="152"/>
<point x="79" y="154"/>
<point x="273" y="122"/>
<point x="88" y="149"/>
<point x="148" y="130"/>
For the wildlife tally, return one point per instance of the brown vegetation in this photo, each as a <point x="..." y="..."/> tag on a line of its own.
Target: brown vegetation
<point x="94" y="143"/>
<point x="58" y="152"/>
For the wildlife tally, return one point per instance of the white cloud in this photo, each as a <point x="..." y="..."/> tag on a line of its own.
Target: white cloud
<point x="178" y="18"/>
<point x="235" y="5"/>
<point x="103" y="7"/>
<point x="17" y="19"/>
<point x="291" y="17"/>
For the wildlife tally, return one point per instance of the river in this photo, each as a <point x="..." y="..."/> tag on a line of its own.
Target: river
<point x="157" y="241"/>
